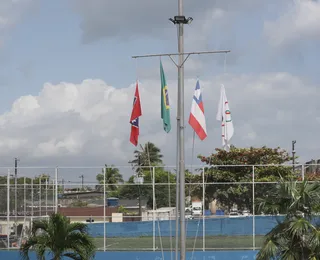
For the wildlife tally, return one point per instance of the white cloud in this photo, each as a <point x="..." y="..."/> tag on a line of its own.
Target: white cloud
<point x="299" y="23"/>
<point x="11" y="12"/>
<point x="88" y="122"/>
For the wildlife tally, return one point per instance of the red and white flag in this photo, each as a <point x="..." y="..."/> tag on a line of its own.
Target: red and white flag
<point x="134" y="119"/>
<point x="197" y="119"/>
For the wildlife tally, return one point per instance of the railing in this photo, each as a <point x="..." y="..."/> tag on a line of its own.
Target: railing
<point x="142" y="216"/>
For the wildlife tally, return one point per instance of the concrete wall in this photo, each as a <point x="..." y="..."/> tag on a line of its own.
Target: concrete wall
<point x="213" y="227"/>
<point x="208" y="255"/>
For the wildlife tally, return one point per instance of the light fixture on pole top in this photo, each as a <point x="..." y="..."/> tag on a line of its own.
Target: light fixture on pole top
<point x="181" y="19"/>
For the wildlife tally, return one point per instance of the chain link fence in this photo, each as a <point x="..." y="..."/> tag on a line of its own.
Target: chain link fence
<point x="139" y="213"/>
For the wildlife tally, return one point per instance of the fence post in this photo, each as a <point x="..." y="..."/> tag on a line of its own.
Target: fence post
<point x="40" y="194"/>
<point x="8" y="209"/>
<point x="24" y="196"/>
<point x="46" y="204"/>
<point x="52" y="188"/>
<point x="203" y="213"/>
<point x="56" y="199"/>
<point x="32" y="204"/>
<point x="170" y="221"/>
<point x="302" y="171"/>
<point x="153" y="210"/>
<point x="104" y="209"/>
<point x="253" y="209"/>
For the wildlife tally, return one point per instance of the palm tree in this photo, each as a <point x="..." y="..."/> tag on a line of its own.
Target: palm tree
<point x="296" y="237"/>
<point x="112" y="177"/>
<point x="60" y="237"/>
<point x="148" y="155"/>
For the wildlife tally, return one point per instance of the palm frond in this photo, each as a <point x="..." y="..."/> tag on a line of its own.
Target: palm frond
<point x="268" y="251"/>
<point x="39" y="225"/>
<point x="295" y="237"/>
<point x="59" y="237"/>
<point x="24" y="249"/>
<point x="77" y="226"/>
<point x="73" y="256"/>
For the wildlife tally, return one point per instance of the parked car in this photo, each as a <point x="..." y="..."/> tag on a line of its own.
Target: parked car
<point x="246" y="213"/>
<point x="234" y="213"/>
<point x="188" y="213"/>
<point x="197" y="208"/>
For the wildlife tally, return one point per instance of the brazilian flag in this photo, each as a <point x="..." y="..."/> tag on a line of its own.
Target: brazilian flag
<point x="165" y="107"/>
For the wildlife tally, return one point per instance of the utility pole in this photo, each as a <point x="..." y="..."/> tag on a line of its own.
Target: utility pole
<point x="293" y="155"/>
<point x="180" y="20"/>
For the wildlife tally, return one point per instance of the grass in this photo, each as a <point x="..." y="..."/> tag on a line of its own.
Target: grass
<point x="213" y="242"/>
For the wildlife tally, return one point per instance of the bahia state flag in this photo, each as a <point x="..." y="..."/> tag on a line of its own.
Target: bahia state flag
<point x="165" y="105"/>
<point x="197" y="119"/>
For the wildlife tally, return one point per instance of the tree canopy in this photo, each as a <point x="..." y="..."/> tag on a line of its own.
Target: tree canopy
<point x="227" y="169"/>
<point x="111" y="176"/>
<point x="164" y="188"/>
<point x="296" y="237"/>
<point x="228" y="176"/>
<point x="60" y="237"/>
<point x="148" y="155"/>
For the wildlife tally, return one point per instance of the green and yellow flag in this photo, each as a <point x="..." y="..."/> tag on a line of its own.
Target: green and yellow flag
<point x="165" y="107"/>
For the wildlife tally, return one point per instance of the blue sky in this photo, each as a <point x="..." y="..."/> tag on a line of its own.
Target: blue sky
<point x="47" y="43"/>
<point x="75" y="41"/>
<point x="46" y="46"/>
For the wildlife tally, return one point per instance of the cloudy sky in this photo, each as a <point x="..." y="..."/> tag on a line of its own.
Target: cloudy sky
<point x="67" y="77"/>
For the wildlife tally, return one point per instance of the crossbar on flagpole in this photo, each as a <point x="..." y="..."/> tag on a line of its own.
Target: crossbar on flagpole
<point x="179" y="54"/>
<point x="176" y="54"/>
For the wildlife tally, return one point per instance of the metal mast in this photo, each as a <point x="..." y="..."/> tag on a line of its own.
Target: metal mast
<point x="180" y="20"/>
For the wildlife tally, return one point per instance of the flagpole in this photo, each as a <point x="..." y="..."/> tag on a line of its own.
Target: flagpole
<point x="180" y="20"/>
<point x="181" y="132"/>
<point x="177" y="180"/>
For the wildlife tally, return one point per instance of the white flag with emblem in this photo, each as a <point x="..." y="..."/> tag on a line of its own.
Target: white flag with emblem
<point x="224" y="116"/>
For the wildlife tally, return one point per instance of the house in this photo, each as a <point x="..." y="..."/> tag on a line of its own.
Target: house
<point x="92" y="207"/>
<point x="132" y="206"/>
<point x="312" y="166"/>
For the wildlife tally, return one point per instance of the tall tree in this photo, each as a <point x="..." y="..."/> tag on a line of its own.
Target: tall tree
<point x="25" y="191"/>
<point x="295" y="237"/>
<point x="111" y="177"/>
<point x="148" y="155"/>
<point x="228" y="168"/>
<point x="164" y="189"/>
<point x="60" y="237"/>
